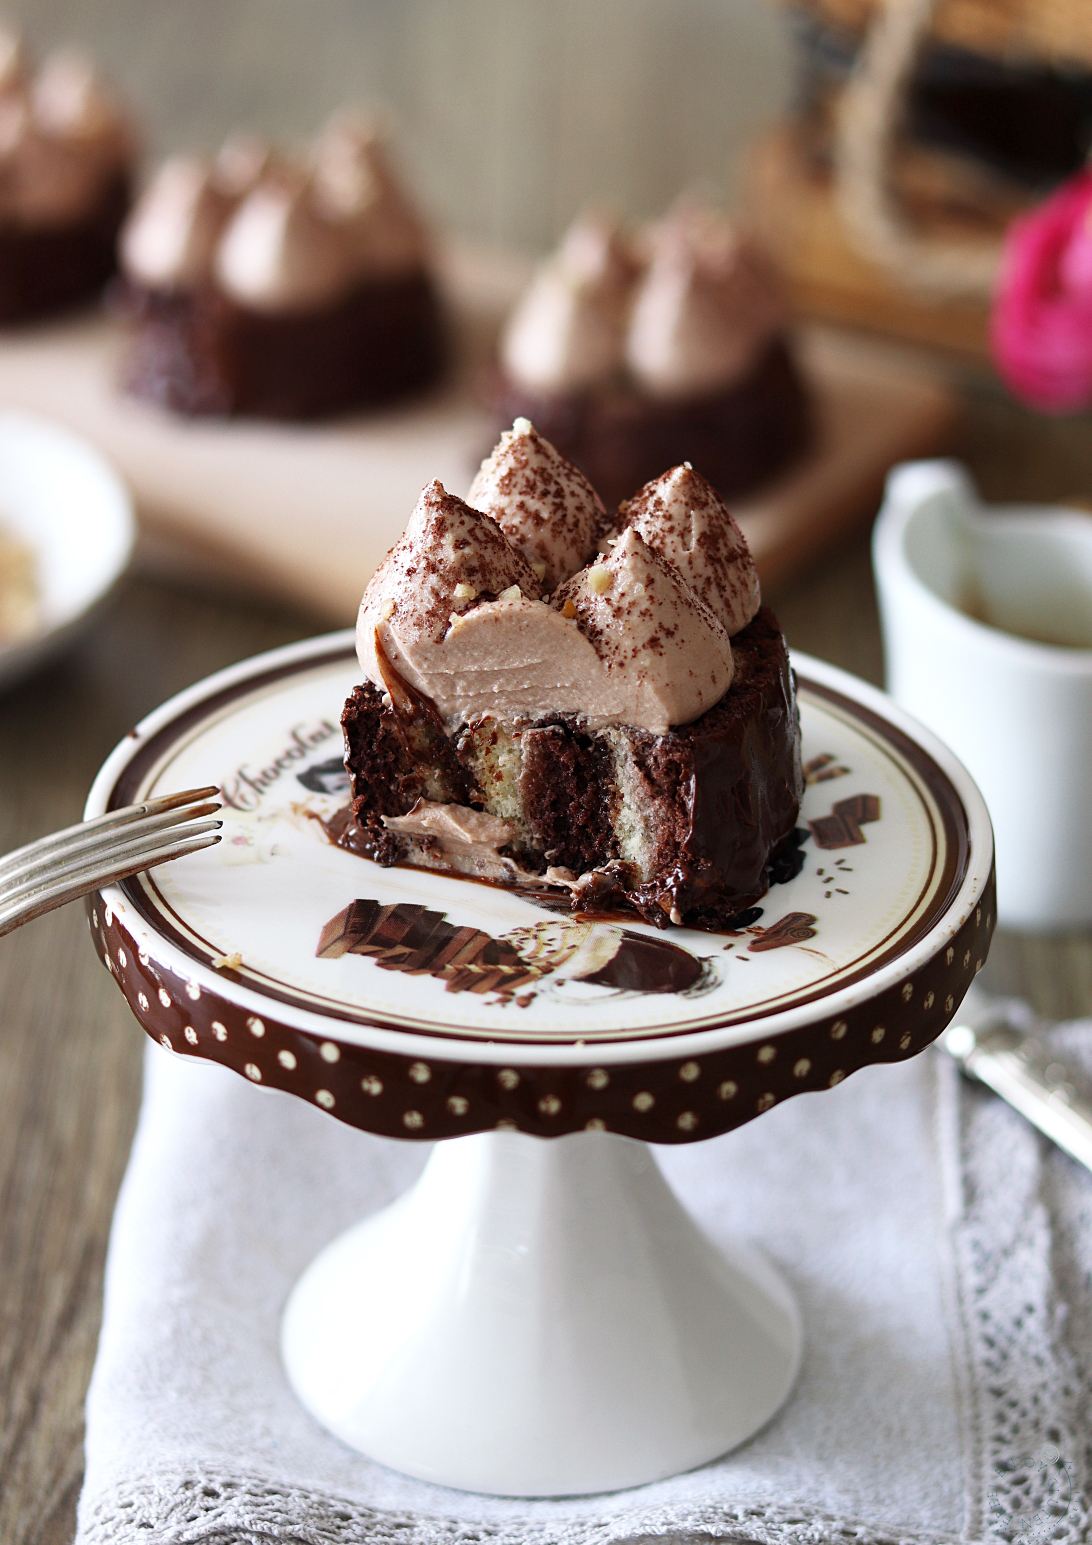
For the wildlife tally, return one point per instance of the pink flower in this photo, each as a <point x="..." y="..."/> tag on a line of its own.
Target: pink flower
<point x="1041" y="326"/>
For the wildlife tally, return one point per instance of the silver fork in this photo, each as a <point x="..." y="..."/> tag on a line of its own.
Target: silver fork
<point x="47" y="873"/>
<point x="1017" y="1065"/>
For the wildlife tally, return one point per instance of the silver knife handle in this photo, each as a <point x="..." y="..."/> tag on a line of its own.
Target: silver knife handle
<point x="1032" y="1081"/>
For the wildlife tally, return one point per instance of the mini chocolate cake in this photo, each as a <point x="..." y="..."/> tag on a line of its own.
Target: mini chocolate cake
<point x="741" y="436"/>
<point x="280" y="289"/>
<point x="633" y="356"/>
<point x="65" y="155"/>
<point x="205" y="354"/>
<point x="627" y="741"/>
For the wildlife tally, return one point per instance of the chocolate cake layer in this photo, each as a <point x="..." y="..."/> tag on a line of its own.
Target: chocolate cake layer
<point x="565" y="789"/>
<point x="201" y="353"/>
<point x="738" y="438"/>
<point x="49" y="269"/>
<point x="682" y="827"/>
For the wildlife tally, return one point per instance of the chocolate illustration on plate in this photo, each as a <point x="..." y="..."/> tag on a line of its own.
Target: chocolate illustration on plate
<point x="420" y="942"/>
<point x="793" y="928"/>
<point x="821" y="769"/>
<point x="326" y="777"/>
<point x="842" y="827"/>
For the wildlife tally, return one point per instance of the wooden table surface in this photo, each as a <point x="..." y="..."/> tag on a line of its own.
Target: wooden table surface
<point x="69" y="1050"/>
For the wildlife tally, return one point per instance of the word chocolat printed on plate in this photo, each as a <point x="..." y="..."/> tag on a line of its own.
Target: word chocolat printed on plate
<point x="244" y="790"/>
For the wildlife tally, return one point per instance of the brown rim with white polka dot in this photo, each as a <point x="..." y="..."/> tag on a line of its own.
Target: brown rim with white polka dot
<point x="676" y="1088"/>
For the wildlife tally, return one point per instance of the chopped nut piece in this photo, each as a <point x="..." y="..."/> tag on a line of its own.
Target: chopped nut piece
<point x="540" y="570"/>
<point x="600" y="578"/>
<point x="227" y="962"/>
<point x="568" y="610"/>
<point x="513" y="593"/>
<point x="465" y="592"/>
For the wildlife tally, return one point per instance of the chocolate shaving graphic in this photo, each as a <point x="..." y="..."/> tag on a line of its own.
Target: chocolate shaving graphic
<point x="793" y="928"/>
<point x="842" y="827"/>
<point x="820" y="769"/>
<point x="412" y="939"/>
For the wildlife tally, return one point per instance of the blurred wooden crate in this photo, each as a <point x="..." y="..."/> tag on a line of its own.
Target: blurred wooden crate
<point x="873" y="224"/>
<point x="1060" y="30"/>
<point x="788" y="198"/>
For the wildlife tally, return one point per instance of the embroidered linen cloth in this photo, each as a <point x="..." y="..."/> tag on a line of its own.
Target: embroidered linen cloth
<point x="941" y="1253"/>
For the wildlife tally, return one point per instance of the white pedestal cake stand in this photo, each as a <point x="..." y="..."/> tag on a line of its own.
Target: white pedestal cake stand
<point x="537" y="1317"/>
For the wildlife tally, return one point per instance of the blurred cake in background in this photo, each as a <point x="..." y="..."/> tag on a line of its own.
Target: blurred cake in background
<point x="635" y="352"/>
<point x="66" y="154"/>
<point x="280" y="286"/>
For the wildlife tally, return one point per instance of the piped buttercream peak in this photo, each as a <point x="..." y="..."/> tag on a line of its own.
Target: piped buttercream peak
<point x="706" y="307"/>
<point x="278" y="252"/>
<point x="449" y="557"/>
<point x="168" y="241"/>
<point x="567" y="333"/>
<point x="687" y="524"/>
<point x="242" y="160"/>
<point x="543" y="504"/>
<point x="355" y="185"/>
<point x="666" y="655"/>
<point x="70" y="99"/>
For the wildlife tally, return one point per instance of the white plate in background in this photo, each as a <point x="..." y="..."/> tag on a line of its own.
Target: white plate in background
<point x="63" y="499"/>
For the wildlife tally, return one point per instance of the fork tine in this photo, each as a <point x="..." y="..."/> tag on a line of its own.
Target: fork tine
<point x="109" y="851"/>
<point x="12" y="915"/>
<point x="22" y="867"/>
<point x="172" y="801"/>
<point x="102" y="825"/>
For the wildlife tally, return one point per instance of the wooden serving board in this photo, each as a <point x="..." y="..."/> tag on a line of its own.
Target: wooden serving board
<point x="308" y="511"/>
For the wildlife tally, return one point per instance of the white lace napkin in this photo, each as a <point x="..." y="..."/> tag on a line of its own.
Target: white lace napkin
<point x="941" y="1253"/>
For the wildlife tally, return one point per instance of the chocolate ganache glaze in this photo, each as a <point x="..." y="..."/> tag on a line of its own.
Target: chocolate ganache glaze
<point x="608" y="747"/>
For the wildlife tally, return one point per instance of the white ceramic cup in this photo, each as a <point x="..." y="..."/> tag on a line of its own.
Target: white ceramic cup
<point x="960" y="587"/>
